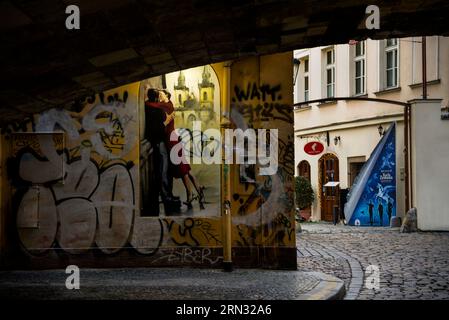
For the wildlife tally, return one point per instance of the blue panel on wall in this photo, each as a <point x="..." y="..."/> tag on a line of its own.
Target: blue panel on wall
<point x="372" y="199"/>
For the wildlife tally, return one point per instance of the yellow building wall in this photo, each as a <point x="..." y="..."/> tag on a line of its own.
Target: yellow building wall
<point x="263" y="216"/>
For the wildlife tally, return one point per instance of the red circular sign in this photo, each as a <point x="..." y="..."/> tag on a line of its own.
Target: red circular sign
<point x="313" y="148"/>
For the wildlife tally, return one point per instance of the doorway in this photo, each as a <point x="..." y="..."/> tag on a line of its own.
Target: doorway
<point x="329" y="196"/>
<point x="304" y="171"/>
<point x="355" y="165"/>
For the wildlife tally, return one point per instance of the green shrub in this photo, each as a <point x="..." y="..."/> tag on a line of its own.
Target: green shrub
<point x="304" y="194"/>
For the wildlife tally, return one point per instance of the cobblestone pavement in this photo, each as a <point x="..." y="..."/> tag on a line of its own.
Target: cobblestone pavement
<point x="412" y="266"/>
<point x="170" y="284"/>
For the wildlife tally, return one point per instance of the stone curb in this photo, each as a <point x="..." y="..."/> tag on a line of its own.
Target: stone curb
<point x="357" y="274"/>
<point x="329" y="288"/>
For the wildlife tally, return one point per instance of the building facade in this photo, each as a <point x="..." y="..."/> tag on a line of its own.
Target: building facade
<point x="349" y="130"/>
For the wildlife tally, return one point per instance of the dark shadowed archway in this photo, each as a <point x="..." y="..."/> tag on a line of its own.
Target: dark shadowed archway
<point x="44" y="65"/>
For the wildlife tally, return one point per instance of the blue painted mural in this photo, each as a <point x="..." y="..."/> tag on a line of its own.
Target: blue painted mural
<point x="372" y="199"/>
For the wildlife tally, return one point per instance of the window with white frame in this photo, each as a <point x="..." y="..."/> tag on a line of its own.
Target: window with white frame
<point x="391" y="63"/>
<point x="330" y="72"/>
<point x="306" y="79"/>
<point x="359" y="68"/>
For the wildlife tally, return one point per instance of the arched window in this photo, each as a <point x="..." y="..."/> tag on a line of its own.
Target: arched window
<point x="304" y="169"/>
<point x="205" y="96"/>
<point x="180" y="99"/>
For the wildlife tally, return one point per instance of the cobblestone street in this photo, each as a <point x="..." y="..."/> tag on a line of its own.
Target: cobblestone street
<point x="412" y="266"/>
<point x="171" y="284"/>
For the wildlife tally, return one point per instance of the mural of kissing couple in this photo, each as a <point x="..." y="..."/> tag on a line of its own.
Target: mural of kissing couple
<point x="169" y="107"/>
<point x="159" y="127"/>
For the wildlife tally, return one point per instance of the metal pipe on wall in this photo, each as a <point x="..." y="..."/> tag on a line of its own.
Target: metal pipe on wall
<point x="424" y="67"/>
<point x="226" y="178"/>
<point x="408" y="157"/>
<point x="410" y="154"/>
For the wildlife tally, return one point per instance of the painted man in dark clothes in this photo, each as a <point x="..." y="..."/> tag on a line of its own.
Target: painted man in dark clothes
<point x="160" y="179"/>
<point x="380" y="208"/>
<point x="370" y="210"/>
<point x="390" y="209"/>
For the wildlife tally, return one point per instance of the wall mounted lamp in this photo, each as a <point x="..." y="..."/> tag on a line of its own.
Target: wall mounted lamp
<point x="337" y="139"/>
<point x="381" y="130"/>
<point x="296" y="63"/>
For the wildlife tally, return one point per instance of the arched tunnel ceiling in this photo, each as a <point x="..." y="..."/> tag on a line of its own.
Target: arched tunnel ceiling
<point x="44" y="65"/>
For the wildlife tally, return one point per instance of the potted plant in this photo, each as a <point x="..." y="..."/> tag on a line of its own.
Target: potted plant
<point x="304" y="195"/>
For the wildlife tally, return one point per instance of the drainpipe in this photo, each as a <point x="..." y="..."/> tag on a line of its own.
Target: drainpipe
<point x="226" y="178"/>
<point x="406" y="158"/>
<point x="410" y="153"/>
<point x="424" y="96"/>
<point x="424" y="68"/>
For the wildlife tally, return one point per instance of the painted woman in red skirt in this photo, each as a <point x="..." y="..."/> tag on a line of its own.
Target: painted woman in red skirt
<point x="182" y="170"/>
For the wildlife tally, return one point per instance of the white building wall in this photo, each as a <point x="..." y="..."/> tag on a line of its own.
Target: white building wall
<point x="356" y="122"/>
<point x="430" y="165"/>
<point x="355" y="141"/>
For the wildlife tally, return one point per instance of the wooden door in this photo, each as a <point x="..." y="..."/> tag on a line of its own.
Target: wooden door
<point x="329" y="196"/>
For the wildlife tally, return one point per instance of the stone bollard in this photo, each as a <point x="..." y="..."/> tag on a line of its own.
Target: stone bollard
<point x="395" y="222"/>
<point x="410" y="223"/>
<point x="298" y="227"/>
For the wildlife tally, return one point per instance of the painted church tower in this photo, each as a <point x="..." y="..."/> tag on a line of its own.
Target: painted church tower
<point x="206" y="89"/>
<point x="181" y="91"/>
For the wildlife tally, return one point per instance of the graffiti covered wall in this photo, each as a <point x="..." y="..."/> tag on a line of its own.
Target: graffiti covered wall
<point x="262" y="206"/>
<point x="73" y="175"/>
<point x="74" y="190"/>
<point x="74" y="179"/>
